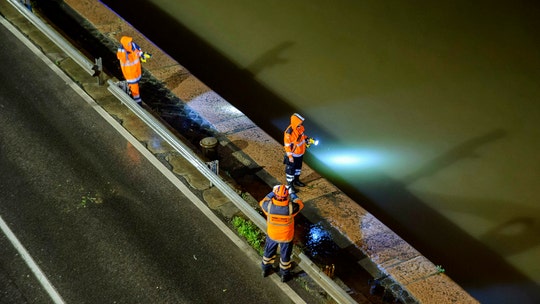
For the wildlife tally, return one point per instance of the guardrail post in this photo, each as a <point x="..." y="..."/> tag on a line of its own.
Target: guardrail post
<point x="98" y="70"/>
<point x="214" y="167"/>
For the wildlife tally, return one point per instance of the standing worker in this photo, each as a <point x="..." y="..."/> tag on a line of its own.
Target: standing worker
<point x="295" y="143"/>
<point x="130" y="56"/>
<point x="280" y="210"/>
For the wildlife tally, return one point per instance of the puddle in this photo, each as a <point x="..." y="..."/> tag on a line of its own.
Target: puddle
<point x="317" y="243"/>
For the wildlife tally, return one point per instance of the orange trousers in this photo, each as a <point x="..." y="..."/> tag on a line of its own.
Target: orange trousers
<point x="134" y="89"/>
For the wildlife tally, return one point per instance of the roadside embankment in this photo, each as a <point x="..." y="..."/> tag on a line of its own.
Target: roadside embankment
<point x="381" y="251"/>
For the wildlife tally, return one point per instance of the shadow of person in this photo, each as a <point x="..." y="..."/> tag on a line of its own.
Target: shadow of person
<point x="514" y="236"/>
<point x="272" y="57"/>
<point x="465" y="150"/>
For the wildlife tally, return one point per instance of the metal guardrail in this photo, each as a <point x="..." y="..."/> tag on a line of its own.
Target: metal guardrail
<point x="186" y="152"/>
<point x="87" y="65"/>
<point x="336" y="292"/>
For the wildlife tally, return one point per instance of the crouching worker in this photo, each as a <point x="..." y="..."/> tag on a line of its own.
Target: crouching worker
<point x="280" y="208"/>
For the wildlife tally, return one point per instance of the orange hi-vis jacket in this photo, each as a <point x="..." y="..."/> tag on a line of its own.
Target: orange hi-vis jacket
<point x="129" y="54"/>
<point x="294" y="139"/>
<point x="280" y="217"/>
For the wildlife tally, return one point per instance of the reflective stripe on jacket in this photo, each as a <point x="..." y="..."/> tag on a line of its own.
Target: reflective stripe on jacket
<point x="128" y="54"/>
<point x="294" y="139"/>
<point x="280" y="217"/>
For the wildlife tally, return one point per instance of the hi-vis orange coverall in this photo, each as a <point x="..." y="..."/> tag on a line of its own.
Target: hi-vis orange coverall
<point x="294" y="142"/>
<point x="129" y="54"/>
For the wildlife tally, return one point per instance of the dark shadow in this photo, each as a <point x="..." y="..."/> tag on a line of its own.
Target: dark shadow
<point x="209" y="65"/>
<point x="516" y="235"/>
<point x="462" y="151"/>
<point x="477" y="268"/>
<point x="175" y="80"/>
<point x="239" y="145"/>
<point x="269" y="58"/>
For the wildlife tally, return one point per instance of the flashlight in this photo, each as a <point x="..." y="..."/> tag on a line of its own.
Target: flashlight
<point x="145" y="56"/>
<point x="312" y="141"/>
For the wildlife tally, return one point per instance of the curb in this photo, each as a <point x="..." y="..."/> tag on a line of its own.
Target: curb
<point x="416" y="278"/>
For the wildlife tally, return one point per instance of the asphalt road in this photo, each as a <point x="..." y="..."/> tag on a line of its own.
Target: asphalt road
<point x="102" y="223"/>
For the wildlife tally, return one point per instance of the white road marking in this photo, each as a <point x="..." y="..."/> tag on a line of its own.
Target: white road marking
<point x="40" y="276"/>
<point x="31" y="264"/>
<point x="250" y="252"/>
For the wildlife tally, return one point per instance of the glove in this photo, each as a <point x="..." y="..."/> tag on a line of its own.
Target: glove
<point x="145" y="56"/>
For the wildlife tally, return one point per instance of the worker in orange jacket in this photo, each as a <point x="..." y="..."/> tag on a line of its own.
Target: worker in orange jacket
<point x="295" y="143"/>
<point x="130" y="56"/>
<point x="280" y="208"/>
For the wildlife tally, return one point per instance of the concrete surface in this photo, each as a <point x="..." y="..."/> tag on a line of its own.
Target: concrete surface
<point x="387" y="253"/>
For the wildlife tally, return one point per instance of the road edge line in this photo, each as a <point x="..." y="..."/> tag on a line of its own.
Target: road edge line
<point x="38" y="273"/>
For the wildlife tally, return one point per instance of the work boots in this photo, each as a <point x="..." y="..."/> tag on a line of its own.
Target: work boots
<point x="266" y="272"/>
<point x="285" y="277"/>
<point x="297" y="181"/>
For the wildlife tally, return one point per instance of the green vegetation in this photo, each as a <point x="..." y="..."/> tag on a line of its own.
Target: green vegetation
<point x="254" y="236"/>
<point x="87" y="199"/>
<point x="440" y="269"/>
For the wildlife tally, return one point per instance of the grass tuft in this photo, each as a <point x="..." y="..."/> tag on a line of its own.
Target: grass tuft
<point x="254" y="236"/>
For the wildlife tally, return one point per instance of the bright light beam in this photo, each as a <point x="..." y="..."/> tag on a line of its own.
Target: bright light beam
<point x="345" y="160"/>
<point x="349" y="159"/>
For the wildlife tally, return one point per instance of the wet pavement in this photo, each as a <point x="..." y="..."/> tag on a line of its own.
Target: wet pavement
<point x="243" y="167"/>
<point x="95" y="209"/>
